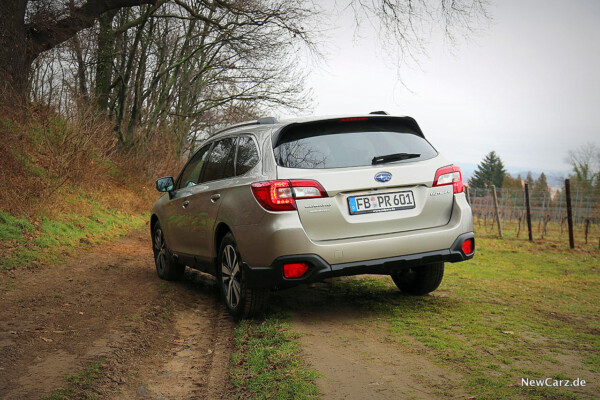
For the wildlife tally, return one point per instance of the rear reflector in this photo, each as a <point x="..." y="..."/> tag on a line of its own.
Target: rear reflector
<point x="449" y="175"/>
<point x="467" y="246"/>
<point x="280" y="195"/>
<point x="295" y="270"/>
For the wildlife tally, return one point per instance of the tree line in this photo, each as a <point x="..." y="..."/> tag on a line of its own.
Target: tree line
<point x="180" y="68"/>
<point x="585" y="175"/>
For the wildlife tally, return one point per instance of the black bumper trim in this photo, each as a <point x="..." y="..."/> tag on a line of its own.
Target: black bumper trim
<point x="319" y="269"/>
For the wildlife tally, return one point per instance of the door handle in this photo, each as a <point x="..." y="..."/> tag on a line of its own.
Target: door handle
<point x="185" y="204"/>
<point x="215" y="197"/>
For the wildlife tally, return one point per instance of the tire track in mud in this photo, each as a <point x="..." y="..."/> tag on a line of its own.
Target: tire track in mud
<point x="108" y="304"/>
<point x="194" y="362"/>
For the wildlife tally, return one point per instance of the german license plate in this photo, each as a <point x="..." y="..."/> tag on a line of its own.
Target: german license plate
<point x="384" y="202"/>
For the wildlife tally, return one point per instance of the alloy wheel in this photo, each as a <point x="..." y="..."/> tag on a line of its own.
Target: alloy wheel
<point x="160" y="251"/>
<point x="230" y="276"/>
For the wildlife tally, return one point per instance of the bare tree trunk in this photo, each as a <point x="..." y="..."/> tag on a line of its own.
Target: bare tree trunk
<point x="21" y="42"/>
<point x="105" y="59"/>
<point x="136" y="106"/>
<point x="14" y="65"/>
<point x="82" y="91"/>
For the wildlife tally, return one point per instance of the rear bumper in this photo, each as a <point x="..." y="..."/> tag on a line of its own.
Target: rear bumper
<point x="280" y="234"/>
<point x="319" y="269"/>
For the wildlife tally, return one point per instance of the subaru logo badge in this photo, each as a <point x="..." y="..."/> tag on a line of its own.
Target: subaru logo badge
<point x="383" y="177"/>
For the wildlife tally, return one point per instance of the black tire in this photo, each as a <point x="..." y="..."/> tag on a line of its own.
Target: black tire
<point x="166" y="267"/>
<point x="241" y="301"/>
<point x="419" y="280"/>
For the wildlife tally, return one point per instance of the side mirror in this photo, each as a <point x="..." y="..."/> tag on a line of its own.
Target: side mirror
<point x="165" y="184"/>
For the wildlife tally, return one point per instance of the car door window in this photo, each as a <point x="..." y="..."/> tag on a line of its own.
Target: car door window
<point x="229" y="169"/>
<point x="247" y="155"/>
<point x="215" y="167"/>
<point x="191" y="173"/>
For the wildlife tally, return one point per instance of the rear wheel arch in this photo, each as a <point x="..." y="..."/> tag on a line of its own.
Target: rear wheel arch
<point x="220" y="232"/>
<point x="153" y="221"/>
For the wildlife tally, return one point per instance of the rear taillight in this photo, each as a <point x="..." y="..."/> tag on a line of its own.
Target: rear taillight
<point x="449" y="175"/>
<point x="281" y="195"/>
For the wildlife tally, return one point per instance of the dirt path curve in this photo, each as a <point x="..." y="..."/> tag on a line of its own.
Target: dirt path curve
<point x="351" y="347"/>
<point x="154" y="339"/>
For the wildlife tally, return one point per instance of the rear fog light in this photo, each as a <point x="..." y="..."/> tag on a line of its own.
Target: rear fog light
<point x="467" y="246"/>
<point x="295" y="270"/>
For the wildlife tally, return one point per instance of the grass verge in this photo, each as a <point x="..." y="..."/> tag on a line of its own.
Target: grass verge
<point x="267" y="362"/>
<point x="517" y="310"/>
<point x="67" y="184"/>
<point x="49" y="239"/>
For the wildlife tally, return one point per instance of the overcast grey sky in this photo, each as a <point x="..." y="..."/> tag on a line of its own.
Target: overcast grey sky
<point x="528" y="87"/>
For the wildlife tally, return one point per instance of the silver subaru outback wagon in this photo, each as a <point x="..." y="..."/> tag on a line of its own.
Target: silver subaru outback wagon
<point x="266" y="205"/>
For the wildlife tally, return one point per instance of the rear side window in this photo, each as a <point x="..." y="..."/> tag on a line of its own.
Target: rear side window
<point x="217" y="162"/>
<point x="247" y="155"/>
<point x="339" y="144"/>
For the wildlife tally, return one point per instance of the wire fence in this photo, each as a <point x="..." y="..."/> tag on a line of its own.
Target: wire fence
<point x="548" y="211"/>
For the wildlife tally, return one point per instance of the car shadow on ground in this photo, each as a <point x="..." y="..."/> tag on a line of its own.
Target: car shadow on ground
<point x="363" y="295"/>
<point x="343" y="298"/>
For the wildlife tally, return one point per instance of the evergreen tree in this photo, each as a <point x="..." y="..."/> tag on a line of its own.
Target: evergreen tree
<point x="489" y="172"/>
<point x="539" y="191"/>
<point x="512" y="189"/>
<point x="512" y="183"/>
<point x="541" y="183"/>
<point x="529" y="180"/>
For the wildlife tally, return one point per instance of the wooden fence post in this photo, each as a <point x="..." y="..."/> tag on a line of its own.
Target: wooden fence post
<point x="496" y="210"/>
<point x="569" y="213"/>
<point x="528" y="207"/>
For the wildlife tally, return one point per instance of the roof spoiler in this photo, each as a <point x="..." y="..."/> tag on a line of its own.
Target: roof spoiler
<point x="409" y="122"/>
<point x="260" y="121"/>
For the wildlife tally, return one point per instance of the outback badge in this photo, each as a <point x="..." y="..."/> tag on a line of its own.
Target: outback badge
<point x="383" y="177"/>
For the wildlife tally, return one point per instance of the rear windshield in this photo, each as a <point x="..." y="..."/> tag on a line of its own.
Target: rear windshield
<point x="339" y="144"/>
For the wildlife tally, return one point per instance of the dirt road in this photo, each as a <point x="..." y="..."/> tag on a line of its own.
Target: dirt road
<point x="166" y="340"/>
<point x="360" y="363"/>
<point x="154" y="339"/>
<point x="354" y="351"/>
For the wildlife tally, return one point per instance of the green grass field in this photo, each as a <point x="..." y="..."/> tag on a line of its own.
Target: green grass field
<point x="518" y="310"/>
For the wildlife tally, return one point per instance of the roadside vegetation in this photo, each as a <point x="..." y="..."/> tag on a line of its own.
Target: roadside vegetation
<point x="47" y="240"/>
<point x="517" y="310"/>
<point x="267" y="363"/>
<point x="65" y="187"/>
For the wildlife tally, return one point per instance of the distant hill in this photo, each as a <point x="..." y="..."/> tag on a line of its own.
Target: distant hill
<point x="555" y="178"/>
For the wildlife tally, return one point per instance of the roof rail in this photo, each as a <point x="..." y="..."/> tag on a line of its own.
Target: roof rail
<point x="378" y="113"/>
<point x="260" y="121"/>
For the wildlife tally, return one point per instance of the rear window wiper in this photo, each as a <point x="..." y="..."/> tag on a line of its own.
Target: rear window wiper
<point x="393" y="157"/>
